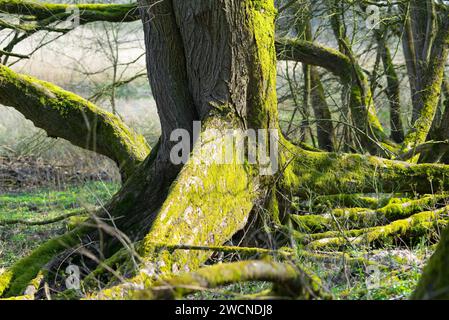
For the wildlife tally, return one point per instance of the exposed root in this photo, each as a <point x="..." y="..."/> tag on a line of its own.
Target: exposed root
<point x="16" y="279"/>
<point x="356" y="218"/>
<point x="404" y="230"/>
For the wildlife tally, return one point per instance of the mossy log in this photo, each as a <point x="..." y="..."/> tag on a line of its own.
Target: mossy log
<point x="323" y="203"/>
<point x="319" y="173"/>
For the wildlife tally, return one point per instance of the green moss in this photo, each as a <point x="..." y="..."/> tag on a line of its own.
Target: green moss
<point x="347" y="200"/>
<point x="430" y="94"/>
<point x="75" y="222"/>
<point x="89" y="12"/>
<point x="323" y="173"/>
<point x="263" y="111"/>
<point x="187" y="217"/>
<point x="311" y="223"/>
<point x="356" y="218"/>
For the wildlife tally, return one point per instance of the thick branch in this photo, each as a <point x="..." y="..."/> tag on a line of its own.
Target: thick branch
<point x="87" y="12"/>
<point x="65" y="115"/>
<point x="316" y="55"/>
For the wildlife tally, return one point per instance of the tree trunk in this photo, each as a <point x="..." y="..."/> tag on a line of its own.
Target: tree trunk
<point x="426" y="50"/>
<point x="213" y="61"/>
<point x="325" y="128"/>
<point x="393" y="92"/>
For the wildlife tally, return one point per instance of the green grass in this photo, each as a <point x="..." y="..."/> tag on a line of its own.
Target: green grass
<point x="17" y="241"/>
<point x="342" y="280"/>
<point x="394" y="283"/>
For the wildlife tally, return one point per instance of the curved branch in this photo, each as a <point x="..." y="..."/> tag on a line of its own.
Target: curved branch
<point x="350" y="73"/>
<point x="294" y="282"/>
<point x="316" y="55"/>
<point x="65" y="115"/>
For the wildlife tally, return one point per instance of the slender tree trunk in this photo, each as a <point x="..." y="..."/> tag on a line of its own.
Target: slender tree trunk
<point x="393" y="91"/>
<point x="325" y="128"/>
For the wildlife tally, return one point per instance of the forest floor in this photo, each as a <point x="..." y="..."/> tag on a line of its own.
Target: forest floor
<point x="345" y="282"/>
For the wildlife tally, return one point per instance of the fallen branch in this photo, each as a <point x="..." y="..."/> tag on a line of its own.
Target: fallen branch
<point x="424" y="147"/>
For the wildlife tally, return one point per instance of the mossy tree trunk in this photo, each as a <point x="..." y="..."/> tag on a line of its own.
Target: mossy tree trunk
<point x="426" y="48"/>
<point x="213" y="61"/>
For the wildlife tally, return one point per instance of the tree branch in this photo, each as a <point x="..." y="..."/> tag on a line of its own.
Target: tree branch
<point x="88" y="12"/>
<point x="316" y="55"/>
<point x="65" y="115"/>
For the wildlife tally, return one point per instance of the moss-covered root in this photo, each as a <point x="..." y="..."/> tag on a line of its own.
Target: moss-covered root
<point x="404" y="230"/>
<point x="357" y="200"/>
<point x="14" y="281"/>
<point x="356" y="218"/>
<point x="65" y="115"/>
<point x="323" y="173"/>
<point x="289" y="280"/>
<point x="434" y="282"/>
